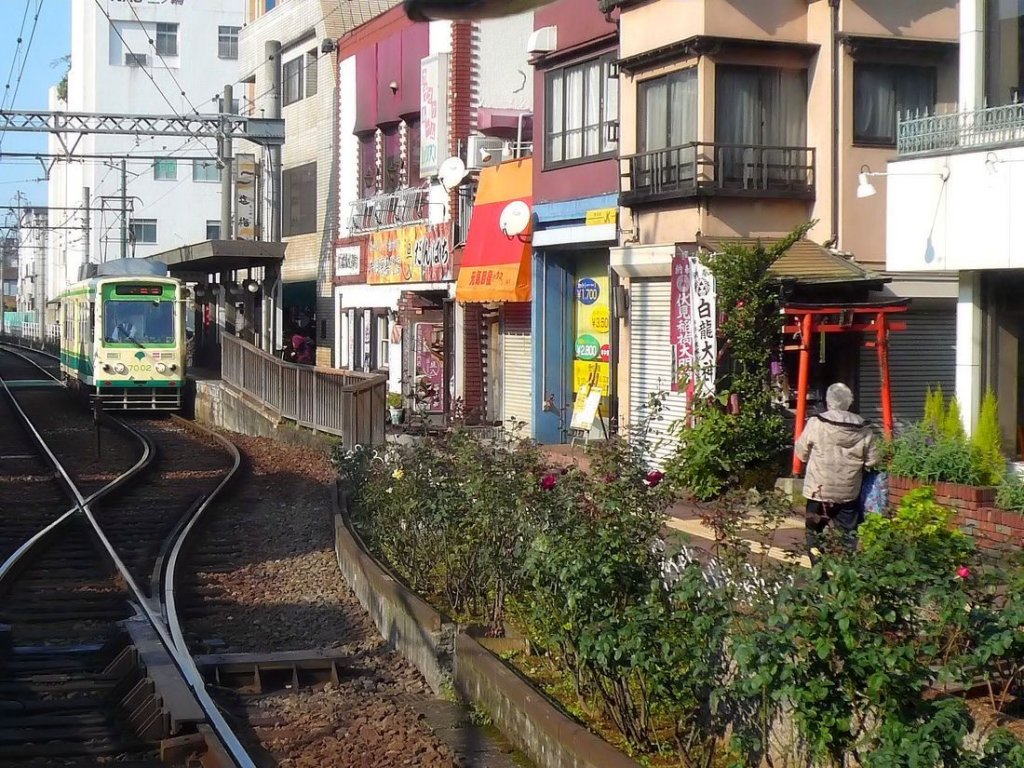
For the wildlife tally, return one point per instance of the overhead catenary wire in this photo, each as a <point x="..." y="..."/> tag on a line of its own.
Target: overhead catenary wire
<point x="148" y="74"/>
<point x="24" y="60"/>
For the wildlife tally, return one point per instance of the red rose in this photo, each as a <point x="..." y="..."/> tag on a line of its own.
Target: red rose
<point x="548" y="482"/>
<point x="963" y="572"/>
<point x="654" y="477"/>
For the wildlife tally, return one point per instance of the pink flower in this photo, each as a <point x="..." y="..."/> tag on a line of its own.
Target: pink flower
<point x="548" y="482"/>
<point x="963" y="572"/>
<point x="654" y="477"/>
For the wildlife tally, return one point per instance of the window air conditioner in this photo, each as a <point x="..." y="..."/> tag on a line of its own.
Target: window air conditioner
<point x="484" y="151"/>
<point x="136" y="59"/>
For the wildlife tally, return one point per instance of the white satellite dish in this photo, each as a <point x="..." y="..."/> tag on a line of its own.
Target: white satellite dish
<point x="451" y="172"/>
<point x="515" y="218"/>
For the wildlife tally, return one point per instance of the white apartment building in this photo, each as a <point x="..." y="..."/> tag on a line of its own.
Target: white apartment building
<point x="32" y="239"/>
<point x="306" y="32"/>
<point x="163" y="58"/>
<point x="954" y="194"/>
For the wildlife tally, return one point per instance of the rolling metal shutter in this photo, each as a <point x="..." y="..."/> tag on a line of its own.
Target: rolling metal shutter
<point x="650" y="364"/>
<point x="922" y="356"/>
<point x="517" y="367"/>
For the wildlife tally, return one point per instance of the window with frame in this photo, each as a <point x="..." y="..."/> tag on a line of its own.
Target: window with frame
<point x="667" y="107"/>
<point x="234" y="105"/>
<point x="299" y="198"/>
<point x="382" y="348"/>
<point x="412" y="151"/>
<point x="367" y="165"/>
<point x="581" y="105"/>
<point x="1004" y="52"/>
<point x="227" y="42"/>
<point x="143" y="230"/>
<point x="212" y="229"/>
<point x="165" y="170"/>
<point x="291" y="80"/>
<point x="312" y="64"/>
<point x="392" y="171"/>
<point x="882" y="92"/>
<point x="205" y="170"/>
<point x="166" y="39"/>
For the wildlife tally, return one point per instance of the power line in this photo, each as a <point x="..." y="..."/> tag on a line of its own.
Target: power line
<point x="14" y="58"/>
<point x="163" y="61"/>
<point x="24" y="60"/>
<point x="148" y="74"/>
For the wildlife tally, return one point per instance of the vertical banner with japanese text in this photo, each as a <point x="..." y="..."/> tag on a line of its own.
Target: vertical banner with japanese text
<point x="681" y="332"/>
<point x="694" y="332"/>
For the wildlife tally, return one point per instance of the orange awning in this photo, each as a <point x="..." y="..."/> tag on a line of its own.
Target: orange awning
<point x="496" y="267"/>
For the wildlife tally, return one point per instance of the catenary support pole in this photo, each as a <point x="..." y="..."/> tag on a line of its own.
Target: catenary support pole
<point x="124" y="209"/>
<point x="86" y="231"/>
<point x="226" y="173"/>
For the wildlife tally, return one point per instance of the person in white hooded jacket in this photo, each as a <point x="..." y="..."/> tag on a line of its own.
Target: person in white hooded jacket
<point x="836" y="446"/>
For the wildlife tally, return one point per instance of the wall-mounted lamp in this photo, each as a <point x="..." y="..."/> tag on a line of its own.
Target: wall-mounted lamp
<point x="991" y="161"/>
<point x="485" y="155"/>
<point x="866" y="189"/>
<point x="393" y="85"/>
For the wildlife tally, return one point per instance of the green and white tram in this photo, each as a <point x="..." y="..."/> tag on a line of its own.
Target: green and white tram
<point x="122" y="337"/>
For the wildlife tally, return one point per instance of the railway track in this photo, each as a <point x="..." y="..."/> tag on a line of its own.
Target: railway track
<point x="92" y="665"/>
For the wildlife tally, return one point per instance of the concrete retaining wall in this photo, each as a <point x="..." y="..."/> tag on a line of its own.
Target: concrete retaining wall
<point x="219" y="405"/>
<point x="527" y="719"/>
<point x="409" y="624"/>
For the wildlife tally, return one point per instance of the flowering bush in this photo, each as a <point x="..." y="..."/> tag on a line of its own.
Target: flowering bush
<point x="819" y="668"/>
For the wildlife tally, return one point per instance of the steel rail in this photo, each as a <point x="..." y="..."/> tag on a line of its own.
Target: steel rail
<point x="181" y="658"/>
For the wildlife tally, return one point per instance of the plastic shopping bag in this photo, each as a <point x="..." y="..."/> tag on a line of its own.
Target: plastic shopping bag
<point x="874" y="493"/>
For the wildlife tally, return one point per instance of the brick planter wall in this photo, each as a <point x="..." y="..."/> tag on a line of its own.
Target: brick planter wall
<point x="976" y="511"/>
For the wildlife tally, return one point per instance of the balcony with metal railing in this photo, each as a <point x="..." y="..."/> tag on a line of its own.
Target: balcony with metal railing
<point x="704" y="169"/>
<point x="963" y="131"/>
<point x="391" y="209"/>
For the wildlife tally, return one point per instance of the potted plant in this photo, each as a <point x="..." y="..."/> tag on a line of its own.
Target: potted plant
<point x="395" y="407"/>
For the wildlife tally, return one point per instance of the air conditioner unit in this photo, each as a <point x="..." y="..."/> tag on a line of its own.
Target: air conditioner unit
<point x="484" y="151"/>
<point x="136" y="59"/>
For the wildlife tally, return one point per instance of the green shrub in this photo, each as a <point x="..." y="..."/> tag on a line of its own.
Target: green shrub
<point x="922" y="454"/>
<point x="934" y="408"/>
<point x="921" y="530"/>
<point x="952" y="422"/>
<point x="1011" y="493"/>
<point x="988" y="442"/>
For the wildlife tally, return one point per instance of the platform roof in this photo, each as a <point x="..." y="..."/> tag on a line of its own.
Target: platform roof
<point x="220" y="256"/>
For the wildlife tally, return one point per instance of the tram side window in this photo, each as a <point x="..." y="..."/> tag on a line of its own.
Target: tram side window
<point x="92" y="320"/>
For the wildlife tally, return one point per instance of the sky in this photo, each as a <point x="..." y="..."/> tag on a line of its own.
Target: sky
<point x="42" y="68"/>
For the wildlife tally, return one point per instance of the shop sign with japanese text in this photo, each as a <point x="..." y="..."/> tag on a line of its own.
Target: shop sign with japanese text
<point x="694" y="333"/>
<point x="347" y="260"/>
<point x="433" y="113"/>
<point x="420" y="253"/>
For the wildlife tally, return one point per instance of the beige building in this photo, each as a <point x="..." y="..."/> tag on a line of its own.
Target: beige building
<point x="745" y="118"/>
<point x="307" y="31"/>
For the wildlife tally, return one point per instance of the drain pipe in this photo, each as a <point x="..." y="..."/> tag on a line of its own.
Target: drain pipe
<point x="834" y="5"/>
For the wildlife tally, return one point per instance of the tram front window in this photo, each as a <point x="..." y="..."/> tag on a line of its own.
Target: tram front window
<point x="141" y="322"/>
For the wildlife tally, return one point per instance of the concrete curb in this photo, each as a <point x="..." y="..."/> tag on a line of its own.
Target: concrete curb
<point x="448" y="658"/>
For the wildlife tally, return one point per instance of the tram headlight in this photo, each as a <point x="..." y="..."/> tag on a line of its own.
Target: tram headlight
<point x="106" y="367"/>
<point x="121" y="368"/>
<point x="161" y="367"/>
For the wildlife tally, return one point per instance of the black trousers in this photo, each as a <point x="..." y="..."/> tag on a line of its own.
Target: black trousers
<point x="845" y="515"/>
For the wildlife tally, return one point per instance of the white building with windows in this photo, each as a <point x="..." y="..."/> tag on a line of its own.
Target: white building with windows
<point x="954" y="192"/>
<point x="32" y="237"/>
<point x="154" y="58"/>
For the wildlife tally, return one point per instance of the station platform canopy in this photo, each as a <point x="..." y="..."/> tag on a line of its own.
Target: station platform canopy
<point x="200" y="259"/>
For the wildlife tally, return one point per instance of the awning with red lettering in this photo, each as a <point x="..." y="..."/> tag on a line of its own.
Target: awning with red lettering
<point x="496" y="266"/>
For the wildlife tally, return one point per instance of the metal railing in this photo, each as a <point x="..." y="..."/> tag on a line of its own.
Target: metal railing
<point x="344" y="403"/>
<point x="32" y="334"/>
<point x="392" y="209"/>
<point x="717" y="168"/>
<point x="964" y="130"/>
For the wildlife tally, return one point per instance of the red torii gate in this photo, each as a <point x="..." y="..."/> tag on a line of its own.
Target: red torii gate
<point x="804" y="320"/>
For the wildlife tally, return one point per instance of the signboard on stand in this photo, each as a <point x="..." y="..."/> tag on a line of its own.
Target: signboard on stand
<point x="694" y="331"/>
